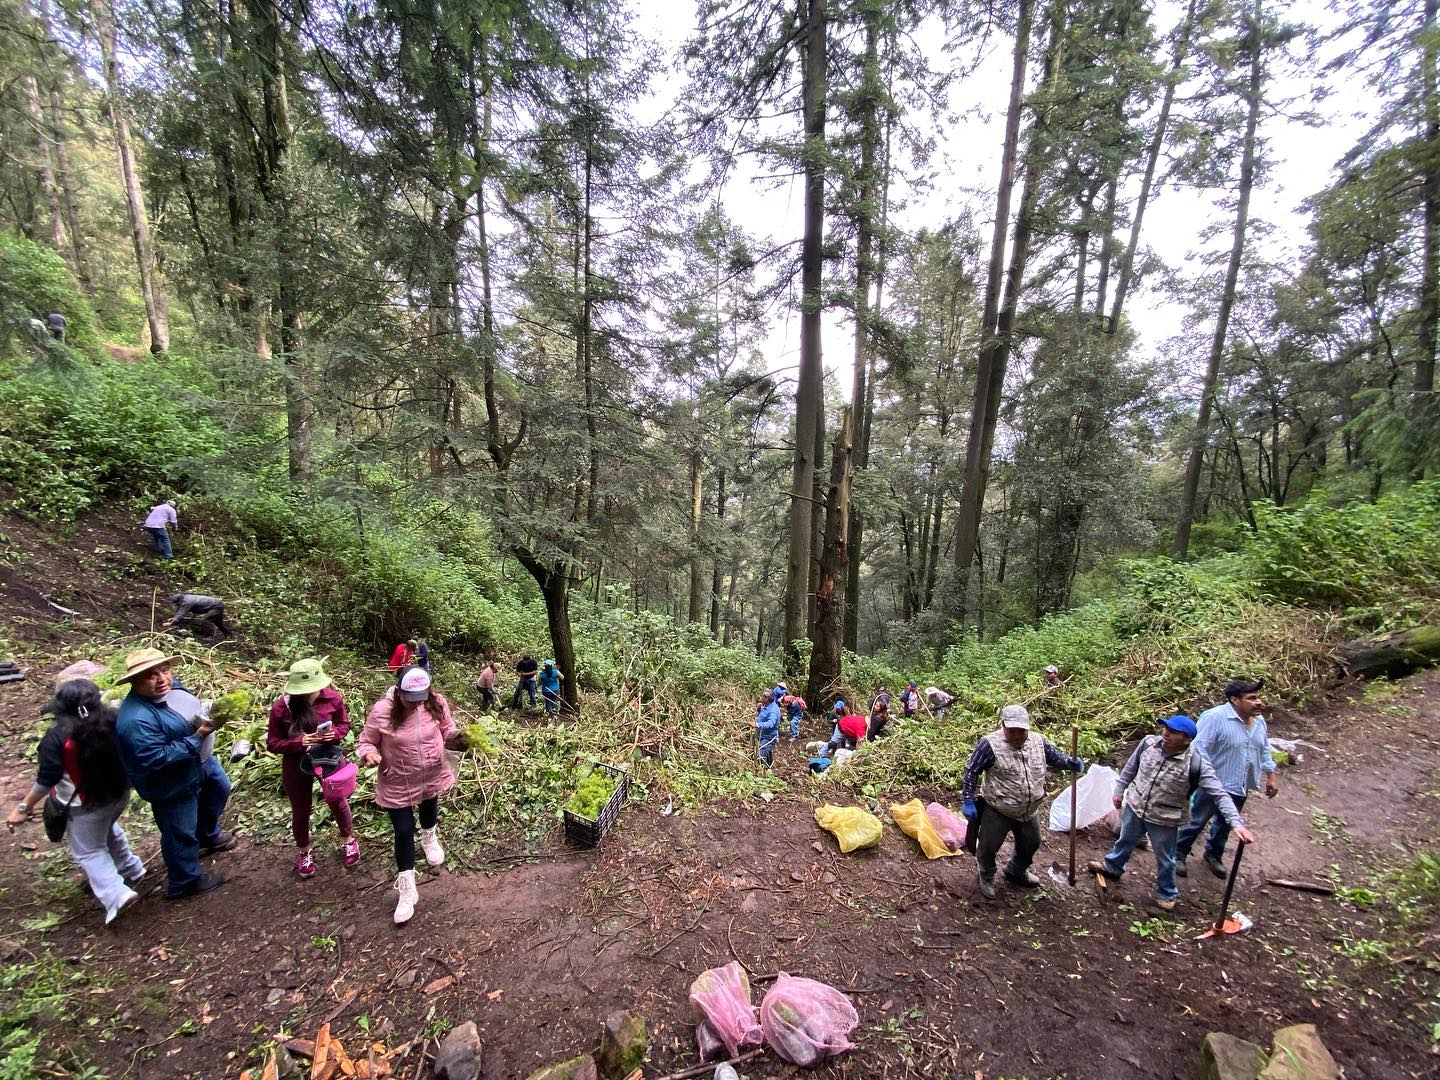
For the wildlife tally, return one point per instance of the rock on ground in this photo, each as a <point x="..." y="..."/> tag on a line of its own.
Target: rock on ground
<point x="459" y="1055"/>
<point x="1227" y="1058"/>
<point x="579" y="1068"/>
<point x="1299" y="1054"/>
<point x="622" y="1045"/>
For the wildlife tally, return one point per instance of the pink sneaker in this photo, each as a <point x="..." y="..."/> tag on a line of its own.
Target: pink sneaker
<point x="350" y="851"/>
<point x="305" y="865"/>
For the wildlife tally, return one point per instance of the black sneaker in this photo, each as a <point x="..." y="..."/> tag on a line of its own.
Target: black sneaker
<point x="224" y="842"/>
<point x="1027" y="880"/>
<point x="1216" y="866"/>
<point x="205" y="883"/>
<point x="1180" y="870"/>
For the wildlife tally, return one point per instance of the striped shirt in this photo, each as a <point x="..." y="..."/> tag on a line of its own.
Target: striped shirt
<point x="1237" y="753"/>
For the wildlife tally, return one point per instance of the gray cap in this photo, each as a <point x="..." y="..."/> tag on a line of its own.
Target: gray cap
<point x="1016" y="716"/>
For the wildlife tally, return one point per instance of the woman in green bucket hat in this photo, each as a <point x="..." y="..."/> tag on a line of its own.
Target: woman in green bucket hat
<point x="307" y="724"/>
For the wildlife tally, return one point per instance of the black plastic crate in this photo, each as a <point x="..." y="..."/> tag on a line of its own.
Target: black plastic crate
<point x="588" y="832"/>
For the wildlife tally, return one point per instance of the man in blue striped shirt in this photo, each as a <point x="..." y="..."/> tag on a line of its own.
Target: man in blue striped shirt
<point x="1235" y="741"/>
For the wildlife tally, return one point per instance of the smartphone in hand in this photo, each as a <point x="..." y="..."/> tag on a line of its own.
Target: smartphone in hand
<point x="324" y="727"/>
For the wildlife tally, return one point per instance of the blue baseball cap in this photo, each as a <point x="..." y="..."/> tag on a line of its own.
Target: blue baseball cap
<point x="839" y="705"/>
<point x="1181" y="723"/>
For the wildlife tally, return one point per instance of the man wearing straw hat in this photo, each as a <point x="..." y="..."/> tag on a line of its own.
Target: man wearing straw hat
<point x="187" y="790"/>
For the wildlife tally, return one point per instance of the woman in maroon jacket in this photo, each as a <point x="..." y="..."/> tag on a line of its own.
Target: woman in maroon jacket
<point x="307" y="724"/>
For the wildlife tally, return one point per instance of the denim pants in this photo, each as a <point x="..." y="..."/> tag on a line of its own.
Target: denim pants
<point x="1162" y="839"/>
<point x="994" y="827"/>
<point x="795" y="715"/>
<point x="525" y="685"/>
<point x="1203" y="810"/>
<point x="100" y="848"/>
<point x="189" y="822"/>
<point x="552" y="701"/>
<point x="161" y="538"/>
<point x="767" y="747"/>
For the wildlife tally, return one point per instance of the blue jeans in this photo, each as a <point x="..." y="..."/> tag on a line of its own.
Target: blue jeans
<point x="767" y="749"/>
<point x="552" y="701"/>
<point x="187" y="823"/>
<point x="161" y="539"/>
<point x="1162" y="839"/>
<point x="795" y="715"/>
<point x="1202" y="810"/>
<point x="525" y="685"/>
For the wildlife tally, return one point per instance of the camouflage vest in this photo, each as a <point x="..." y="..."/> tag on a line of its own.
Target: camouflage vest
<point x="1015" y="784"/>
<point x="1160" y="792"/>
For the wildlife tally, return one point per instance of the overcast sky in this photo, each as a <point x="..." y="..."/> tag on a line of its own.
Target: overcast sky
<point x="968" y="165"/>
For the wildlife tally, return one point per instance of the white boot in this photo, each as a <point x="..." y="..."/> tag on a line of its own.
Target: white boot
<point x="129" y="896"/>
<point x="409" y="897"/>
<point x="430" y="845"/>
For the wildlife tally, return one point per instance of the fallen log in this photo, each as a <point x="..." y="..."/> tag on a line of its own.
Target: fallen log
<point x="1392" y="656"/>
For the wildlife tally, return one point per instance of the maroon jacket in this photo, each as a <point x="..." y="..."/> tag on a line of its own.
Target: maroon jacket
<point x="328" y="706"/>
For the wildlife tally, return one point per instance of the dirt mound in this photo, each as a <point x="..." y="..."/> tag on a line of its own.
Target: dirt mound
<point x="99" y="576"/>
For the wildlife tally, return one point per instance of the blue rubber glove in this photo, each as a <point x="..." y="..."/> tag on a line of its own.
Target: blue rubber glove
<point x="1081" y="765"/>
<point x="969" y="810"/>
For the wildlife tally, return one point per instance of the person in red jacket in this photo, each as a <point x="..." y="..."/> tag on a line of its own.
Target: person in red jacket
<point x="307" y="724"/>
<point x="404" y="654"/>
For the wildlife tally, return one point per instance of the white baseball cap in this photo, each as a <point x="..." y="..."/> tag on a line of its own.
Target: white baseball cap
<point x="415" y="686"/>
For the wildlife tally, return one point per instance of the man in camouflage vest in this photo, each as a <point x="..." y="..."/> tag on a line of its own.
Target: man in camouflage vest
<point x="1013" y="763"/>
<point x="1153" y="796"/>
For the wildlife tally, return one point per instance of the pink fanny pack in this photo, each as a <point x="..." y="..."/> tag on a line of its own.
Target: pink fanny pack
<point x="340" y="784"/>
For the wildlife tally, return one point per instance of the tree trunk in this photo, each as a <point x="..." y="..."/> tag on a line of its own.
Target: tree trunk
<point x="150" y="287"/>
<point x="1422" y="402"/>
<point x="44" y="167"/>
<point x="1147" y="184"/>
<point x="716" y="575"/>
<point x="817" y="513"/>
<point x="1196" y="461"/>
<point x="869" y="112"/>
<point x="64" y="174"/>
<point x="808" y="390"/>
<point x="825" y="659"/>
<point x="555" y="588"/>
<point x="697" y="510"/>
<point x="972" y="496"/>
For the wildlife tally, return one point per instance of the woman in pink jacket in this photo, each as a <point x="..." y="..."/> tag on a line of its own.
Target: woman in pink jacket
<point x="406" y="734"/>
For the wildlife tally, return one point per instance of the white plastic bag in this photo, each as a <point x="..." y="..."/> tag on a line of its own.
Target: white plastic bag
<point x="1092" y="799"/>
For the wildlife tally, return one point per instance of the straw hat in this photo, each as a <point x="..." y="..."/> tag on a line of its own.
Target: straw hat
<point x="307" y="676"/>
<point x="141" y="661"/>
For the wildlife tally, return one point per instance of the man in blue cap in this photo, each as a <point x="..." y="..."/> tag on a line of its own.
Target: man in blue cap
<point x="1153" y="796"/>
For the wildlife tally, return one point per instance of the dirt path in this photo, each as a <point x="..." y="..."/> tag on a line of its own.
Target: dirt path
<point x="537" y="952"/>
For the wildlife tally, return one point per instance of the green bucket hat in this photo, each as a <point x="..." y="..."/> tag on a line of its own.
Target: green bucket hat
<point x="307" y="676"/>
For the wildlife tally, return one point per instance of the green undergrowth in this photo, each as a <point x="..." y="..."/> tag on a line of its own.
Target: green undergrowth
<point x="48" y="1008"/>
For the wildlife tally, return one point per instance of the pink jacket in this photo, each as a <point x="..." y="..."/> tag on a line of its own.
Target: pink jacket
<point x="412" y="765"/>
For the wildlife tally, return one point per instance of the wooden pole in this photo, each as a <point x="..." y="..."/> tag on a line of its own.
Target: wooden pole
<point x="155" y="592"/>
<point x="1074" y="797"/>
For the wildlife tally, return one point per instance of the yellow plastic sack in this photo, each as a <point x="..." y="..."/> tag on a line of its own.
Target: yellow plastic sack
<point x="852" y="826"/>
<point x="914" y="822"/>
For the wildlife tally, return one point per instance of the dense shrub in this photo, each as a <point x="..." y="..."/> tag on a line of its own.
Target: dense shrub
<point x="35" y="282"/>
<point x="116" y="430"/>
<point x="1376" y="558"/>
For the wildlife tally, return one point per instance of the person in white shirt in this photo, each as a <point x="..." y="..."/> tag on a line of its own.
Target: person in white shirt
<point x="158" y="524"/>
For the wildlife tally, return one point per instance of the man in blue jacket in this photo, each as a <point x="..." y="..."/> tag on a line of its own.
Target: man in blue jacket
<point x="161" y="751"/>
<point x="767" y="727"/>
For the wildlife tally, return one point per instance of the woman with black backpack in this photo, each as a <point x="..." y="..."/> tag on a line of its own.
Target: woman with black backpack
<point x="80" y="772"/>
